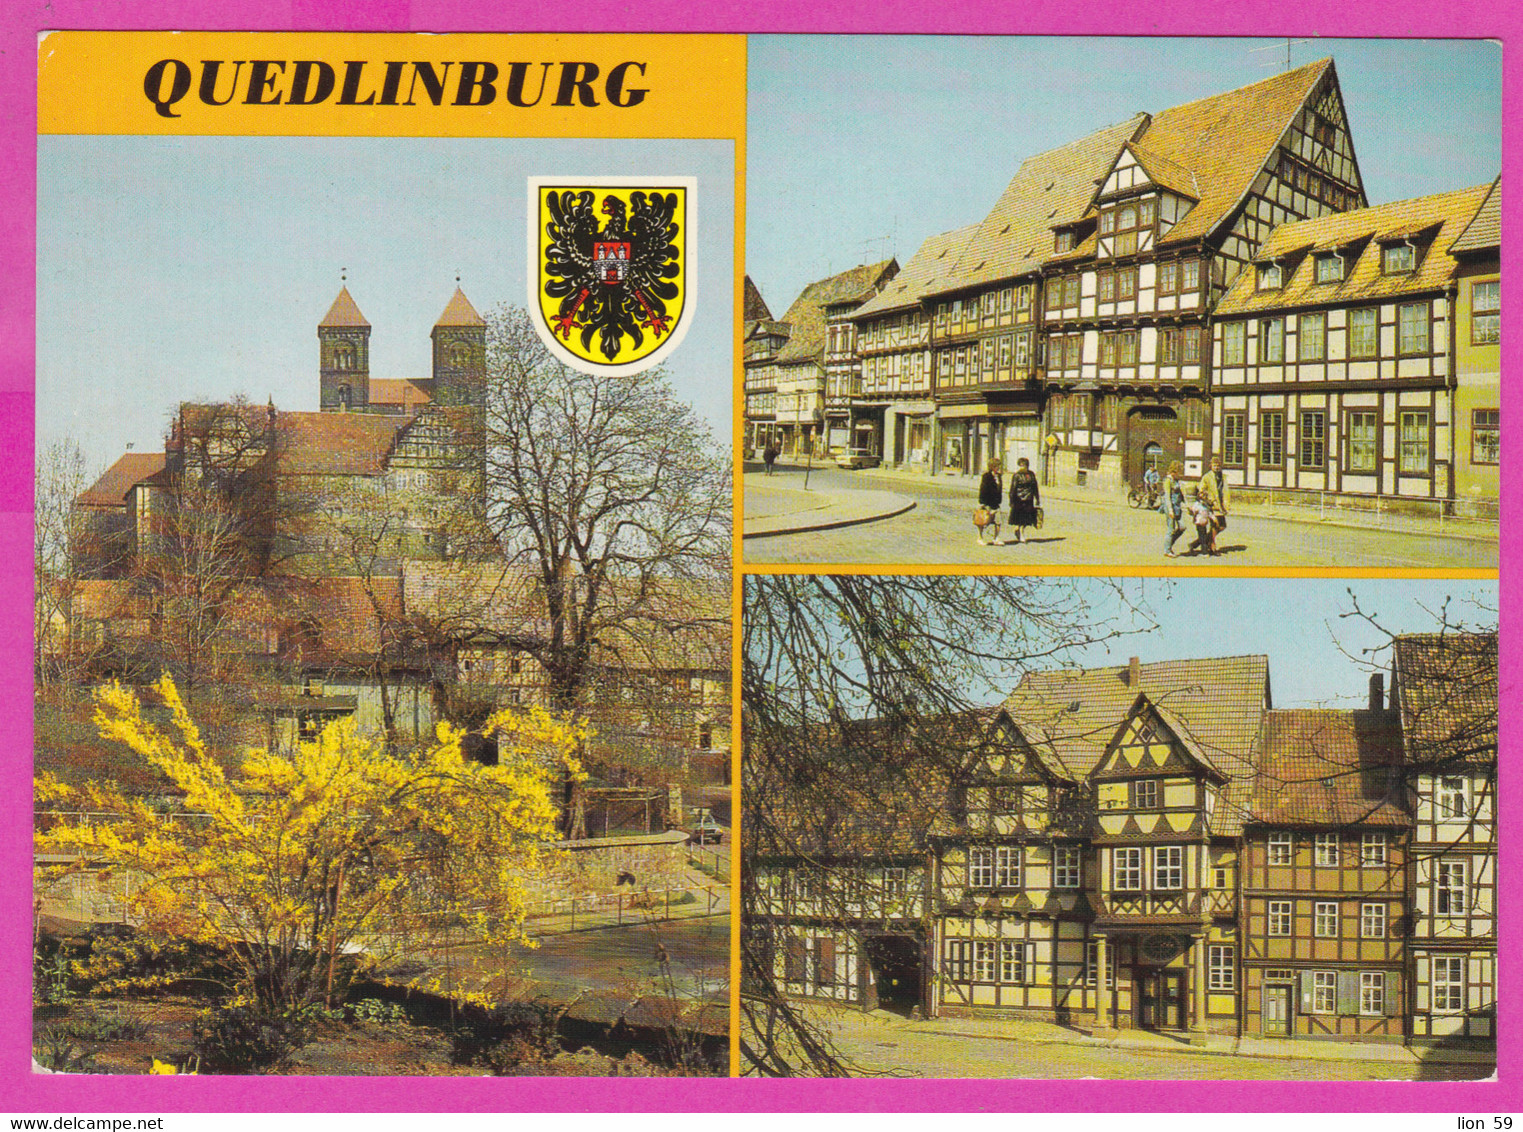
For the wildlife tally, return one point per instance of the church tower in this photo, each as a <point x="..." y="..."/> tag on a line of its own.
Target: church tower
<point x="343" y="339"/>
<point x="460" y="354"/>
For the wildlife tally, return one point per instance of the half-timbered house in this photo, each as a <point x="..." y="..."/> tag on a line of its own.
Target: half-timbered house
<point x="893" y="414"/>
<point x="1181" y="210"/>
<point x="817" y="320"/>
<point x="1324" y="895"/>
<point x="1334" y="356"/>
<point x="761" y="338"/>
<point x="1478" y="360"/>
<point x="1446" y="693"/>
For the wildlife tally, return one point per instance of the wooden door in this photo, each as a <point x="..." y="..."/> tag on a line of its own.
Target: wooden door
<point x="1277" y="1011"/>
<point x="1172" y="1000"/>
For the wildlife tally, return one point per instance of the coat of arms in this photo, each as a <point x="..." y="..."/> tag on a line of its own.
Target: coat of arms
<point x="609" y="275"/>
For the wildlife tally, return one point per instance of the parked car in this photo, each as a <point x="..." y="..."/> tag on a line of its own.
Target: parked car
<point x="857" y="458"/>
<point x="706" y="830"/>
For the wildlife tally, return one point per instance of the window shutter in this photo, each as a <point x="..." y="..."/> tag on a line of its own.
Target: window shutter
<point x="1393" y="993"/>
<point x="824" y="961"/>
<point x="1348" y="992"/>
<point x="794" y="964"/>
<point x="1306" y="992"/>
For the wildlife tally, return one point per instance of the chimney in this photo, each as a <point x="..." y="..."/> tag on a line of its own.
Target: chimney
<point x="1377" y="691"/>
<point x="1133" y="673"/>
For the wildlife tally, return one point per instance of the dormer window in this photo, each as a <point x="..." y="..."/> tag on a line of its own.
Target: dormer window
<point x="1145" y="794"/>
<point x="1398" y="259"/>
<point x="1063" y="242"/>
<point x="1329" y="268"/>
<point x="1271" y="276"/>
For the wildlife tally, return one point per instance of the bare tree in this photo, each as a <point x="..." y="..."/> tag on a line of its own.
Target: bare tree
<point x="860" y="700"/>
<point x="56" y="639"/>
<point x="613" y="496"/>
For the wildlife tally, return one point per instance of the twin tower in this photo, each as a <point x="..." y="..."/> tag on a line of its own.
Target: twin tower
<point x="459" y="372"/>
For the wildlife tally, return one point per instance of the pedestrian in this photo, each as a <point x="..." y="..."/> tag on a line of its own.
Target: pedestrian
<point x="1150" y="484"/>
<point x="769" y="455"/>
<point x="991" y="492"/>
<point x="1172" y="503"/>
<point x="1200" y="514"/>
<point x="1214" y="486"/>
<point x="1025" y="499"/>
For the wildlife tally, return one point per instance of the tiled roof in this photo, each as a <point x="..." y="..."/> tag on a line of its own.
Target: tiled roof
<point x="1164" y="173"/>
<point x="1359" y="232"/>
<point x="120" y="478"/>
<point x="1216" y="704"/>
<point x="340" y="614"/>
<point x="458" y="312"/>
<point x="1225" y="140"/>
<point x="1484" y="232"/>
<point x="807" y="314"/>
<point x="404" y="391"/>
<point x="925" y="273"/>
<point x="344" y="311"/>
<point x="1445" y="687"/>
<point x="336" y="444"/>
<point x="754" y="308"/>
<point x="1323" y="767"/>
<point x="1050" y="188"/>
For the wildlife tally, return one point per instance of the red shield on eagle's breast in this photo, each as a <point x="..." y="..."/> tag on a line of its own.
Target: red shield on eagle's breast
<point x="611" y="258"/>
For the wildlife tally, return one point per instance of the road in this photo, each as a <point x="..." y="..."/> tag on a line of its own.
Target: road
<point x="620" y="959"/>
<point x="1096" y="531"/>
<point x="943" y="1049"/>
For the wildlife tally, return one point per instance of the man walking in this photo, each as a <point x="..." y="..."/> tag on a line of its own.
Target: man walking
<point x="1213" y="489"/>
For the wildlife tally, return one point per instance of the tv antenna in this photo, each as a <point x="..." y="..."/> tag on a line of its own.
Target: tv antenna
<point x="1289" y="43"/>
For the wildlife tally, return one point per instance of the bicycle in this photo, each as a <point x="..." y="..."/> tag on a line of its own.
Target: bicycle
<point x="1143" y="497"/>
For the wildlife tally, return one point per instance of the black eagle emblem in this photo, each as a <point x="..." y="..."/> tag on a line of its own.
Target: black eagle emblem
<point x="613" y="281"/>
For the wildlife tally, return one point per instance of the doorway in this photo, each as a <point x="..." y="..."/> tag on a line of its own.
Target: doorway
<point x="1161" y="1004"/>
<point x="1276" y="1011"/>
<point x="895" y="964"/>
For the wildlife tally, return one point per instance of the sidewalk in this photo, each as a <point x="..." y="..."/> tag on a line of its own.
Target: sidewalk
<point x="778" y="510"/>
<point x="1046" y="1033"/>
<point x="1332" y="516"/>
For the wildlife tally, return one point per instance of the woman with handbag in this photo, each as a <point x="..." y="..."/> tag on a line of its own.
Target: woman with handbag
<point x="990" y="494"/>
<point x="1025" y="498"/>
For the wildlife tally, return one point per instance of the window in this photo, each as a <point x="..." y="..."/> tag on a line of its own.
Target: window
<point x="1234" y="431"/>
<point x="1485" y="313"/>
<point x="1189" y="276"/>
<point x="1452" y="888"/>
<point x="1485" y="436"/>
<point x="1329" y="268"/>
<point x="1054" y="293"/>
<point x="1012" y="962"/>
<point x="1007" y="866"/>
<point x="1279" y="917"/>
<point x="1363" y="336"/>
<point x="1126" y="283"/>
<point x="1270" y="276"/>
<point x="1372" y="921"/>
<point x="1282" y="848"/>
<point x="1272" y="340"/>
<point x="1107" y="286"/>
<point x="1313" y="439"/>
<point x="1326" y="849"/>
<point x="1324" y="992"/>
<point x="1372" y="992"/>
<point x="1362" y="432"/>
<point x="1412" y="454"/>
<point x="1311" y="339"/>
<point x="1145" y="794"/>
<point x="1325" y="922"/>
<point x="1452" y="802"/>
<point x="1065" y="866"/>
<point x="1092" y="964"/>
<point x="1108" y="348"/>
<point x="1397" y="259"/>
<point x="1004" y="351"/>
<point x="1079" y="418"/>
<point x="1023" y="298"/>
<point x="983" y="960"/>
<point x="1075" y="351"/>
<point x="1272" y="439"/>
<point x="1145" y="212"/>
<point x="1221" y="877"/>
<point x="1192" y="344"/>
<point x="1063" y="242"/>
<point x="1447" y="986"/>
<point x="959" y="960"/>
<point x="1234" y="334"/>
<point x="1168" y="278"/>
<point x="1023" y="348"/>
<point x="980" y="867"/>
<point x="896" y="885"/>
<point x="1127" y="870"/>
<point x="1372" y="849"/>
<point x="1071" y="291"/>
<point x="1412" y="328"/>
<point x="1169" y="347"/>
<point x="1168" y="866"/>
<point x="1219" y="958"/>
<point x="1195" y="418"/>
<point x="1107" y="222"/>
<point x="1127" y="353"/>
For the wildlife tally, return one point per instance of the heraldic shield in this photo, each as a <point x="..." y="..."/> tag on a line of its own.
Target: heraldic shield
<point x="610" y="268"/>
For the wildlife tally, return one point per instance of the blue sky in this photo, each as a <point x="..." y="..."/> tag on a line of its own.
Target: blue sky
<point x="1296" y="622"/>
<point x="861" y="147"/>
<point x="177" y="268"/>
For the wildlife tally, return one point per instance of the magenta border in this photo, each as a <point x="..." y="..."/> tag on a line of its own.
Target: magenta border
<point x="23" y="1092"/>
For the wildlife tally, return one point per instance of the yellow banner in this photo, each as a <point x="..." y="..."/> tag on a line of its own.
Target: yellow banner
<point x="384" y="84"/>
